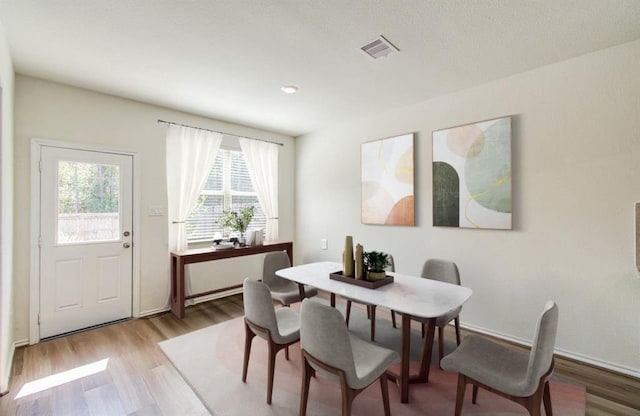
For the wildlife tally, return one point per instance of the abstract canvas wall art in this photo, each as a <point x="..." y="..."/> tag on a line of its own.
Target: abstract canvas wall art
<point x="472" y="175"/>
<point x="387" y="181"/>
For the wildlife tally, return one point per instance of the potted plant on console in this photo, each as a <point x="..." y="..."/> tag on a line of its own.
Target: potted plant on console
<point x="375" y="263"/>
<point x="238" y="222"/>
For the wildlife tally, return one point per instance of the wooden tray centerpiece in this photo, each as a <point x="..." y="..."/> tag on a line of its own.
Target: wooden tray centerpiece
<point x="339" y="276"/>
<point x="367" y="266"/>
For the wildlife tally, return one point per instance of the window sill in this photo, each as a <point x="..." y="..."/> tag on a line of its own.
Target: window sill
<point x="199" y="243"/>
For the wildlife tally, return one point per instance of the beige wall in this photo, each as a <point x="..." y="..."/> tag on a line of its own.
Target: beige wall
<point x="576" y="176"/>
<point x="6" y="213"/>
<point x="47" y="110"/>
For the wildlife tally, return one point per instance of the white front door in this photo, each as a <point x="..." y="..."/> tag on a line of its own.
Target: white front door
<point x="85" y="238"/>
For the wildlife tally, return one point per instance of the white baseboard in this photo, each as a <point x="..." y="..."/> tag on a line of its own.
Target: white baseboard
<point x="155" y="311"/>
<point x="218" y="295"/>
<point x="4" y="384"/>
<point x="195" y="301"/>
<point x="20" y="343"/>
<point x="558" y="351"/>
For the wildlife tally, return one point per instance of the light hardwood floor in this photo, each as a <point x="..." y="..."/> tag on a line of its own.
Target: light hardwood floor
<point x="139" y="380"/>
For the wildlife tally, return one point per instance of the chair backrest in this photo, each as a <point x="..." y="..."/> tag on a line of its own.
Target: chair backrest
<point x="543" y="344"/>
<point x="258" y="305"/>
<point x="272" y="263"/>
<point x="324" y="335"/>
<point x="391" y="267"/>
<point x="441" y="270"/>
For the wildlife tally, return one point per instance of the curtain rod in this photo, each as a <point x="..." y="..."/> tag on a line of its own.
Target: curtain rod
<point x="221" y="132"/>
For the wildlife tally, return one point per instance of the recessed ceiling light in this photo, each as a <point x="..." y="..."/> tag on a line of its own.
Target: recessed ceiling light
<point x="289" y="89"/>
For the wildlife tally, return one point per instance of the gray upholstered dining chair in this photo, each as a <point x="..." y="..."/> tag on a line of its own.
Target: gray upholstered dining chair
<point x="329" y="348"/>
<point x="518" y="376"/>
<point x="279" y="327"/>
<point x="282" y="290"/>
<point x="443" y="271"/>
<point x="371" y="309"/>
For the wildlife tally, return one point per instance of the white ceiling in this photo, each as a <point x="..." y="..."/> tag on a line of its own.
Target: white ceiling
<point x="227" y="59"/>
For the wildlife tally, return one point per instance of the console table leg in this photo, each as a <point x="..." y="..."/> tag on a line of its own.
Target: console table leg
<point x="177" y="287"/>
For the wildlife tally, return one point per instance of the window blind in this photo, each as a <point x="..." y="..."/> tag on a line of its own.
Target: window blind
<point x="228" y="186"/>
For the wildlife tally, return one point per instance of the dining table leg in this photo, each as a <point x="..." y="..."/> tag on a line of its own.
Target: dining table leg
<point x="405" y="358"/>
<point x="405" y="378"/>
<point x="301" y="291"/>
<point x="427" y="350"/>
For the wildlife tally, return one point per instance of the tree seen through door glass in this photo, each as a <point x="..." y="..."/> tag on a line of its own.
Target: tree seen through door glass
<point x="88" y="202"/>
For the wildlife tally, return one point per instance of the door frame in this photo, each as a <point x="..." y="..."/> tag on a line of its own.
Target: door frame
<point x="34" y="247"/>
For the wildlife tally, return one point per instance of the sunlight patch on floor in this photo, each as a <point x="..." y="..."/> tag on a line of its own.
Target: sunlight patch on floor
<point x="59" y="379"/>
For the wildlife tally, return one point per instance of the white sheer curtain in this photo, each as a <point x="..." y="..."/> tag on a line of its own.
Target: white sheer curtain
<point x="262" y="162"/>
<point x="190" y="155"/>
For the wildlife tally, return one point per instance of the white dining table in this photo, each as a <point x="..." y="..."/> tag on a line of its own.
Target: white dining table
<point x="411" y="296"/>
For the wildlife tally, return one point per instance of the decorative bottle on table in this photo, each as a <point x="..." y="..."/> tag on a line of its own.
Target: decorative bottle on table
<point x="347" y="257"/>
<point x="359" y="262"/>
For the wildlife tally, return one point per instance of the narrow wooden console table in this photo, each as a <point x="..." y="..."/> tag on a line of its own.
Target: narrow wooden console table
<point x="180" y="259"/>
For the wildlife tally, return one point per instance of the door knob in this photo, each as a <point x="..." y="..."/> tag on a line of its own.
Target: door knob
<point x="126" y="245"/>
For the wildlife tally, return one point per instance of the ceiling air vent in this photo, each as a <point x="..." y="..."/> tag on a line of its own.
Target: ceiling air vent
<point x="379" y="48"/>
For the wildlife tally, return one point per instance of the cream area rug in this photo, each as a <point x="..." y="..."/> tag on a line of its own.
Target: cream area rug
<point x="210" y="360"/>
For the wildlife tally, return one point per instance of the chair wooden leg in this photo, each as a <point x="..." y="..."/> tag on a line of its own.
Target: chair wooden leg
<point x="385" y="394"/>
<point x="547" y="400"/>
<point x="533" y="409"/>
<point x="422" y="329"/>
<point x="286" y="352"/>
<point x="440" y="345"/>
<point x="462" y="384"/>
<point x="348" y="314"/>
<point x="271" y="371"/>
<point x="347" y="400"/>
<point x="247" y="351"/>
<point x="535" y="402"/>
<point x="373" y="322"/>
<point x="393" y="319"/>
<point x="457" y="324"/>
<point x="306" y="380"/>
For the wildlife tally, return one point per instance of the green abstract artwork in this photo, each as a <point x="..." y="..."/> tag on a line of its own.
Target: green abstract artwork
<point x="472" y="175"/>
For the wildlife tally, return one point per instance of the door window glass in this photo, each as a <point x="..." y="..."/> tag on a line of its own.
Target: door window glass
<point x="88" y="202"/>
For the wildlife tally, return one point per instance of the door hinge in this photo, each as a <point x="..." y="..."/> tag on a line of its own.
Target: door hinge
<point x="39" y="241"/>
<point x="40" y="165"/>
<point x="38" y="318"/>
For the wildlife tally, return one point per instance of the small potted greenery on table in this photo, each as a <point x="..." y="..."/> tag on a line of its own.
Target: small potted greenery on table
<point x="375" y="262"/>
<point x="238" y="222"/>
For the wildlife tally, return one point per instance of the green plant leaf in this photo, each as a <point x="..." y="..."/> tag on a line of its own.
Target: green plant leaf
<point x="237" y="222"/>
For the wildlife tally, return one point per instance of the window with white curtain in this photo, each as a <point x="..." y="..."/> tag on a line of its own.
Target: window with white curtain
<point x="228" y="187"/>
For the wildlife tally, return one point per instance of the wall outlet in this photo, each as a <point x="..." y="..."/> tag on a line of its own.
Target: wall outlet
<point x="156" y="211"/>
<point x="324" y="244"/>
